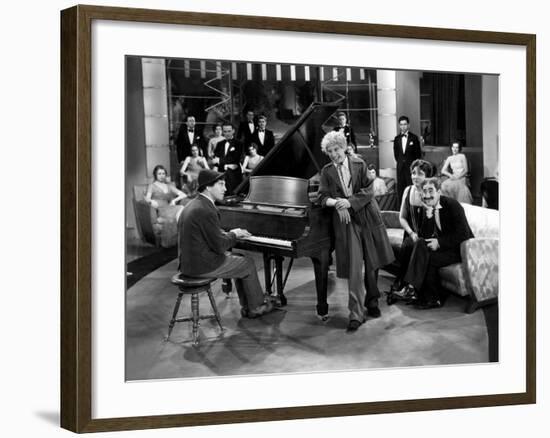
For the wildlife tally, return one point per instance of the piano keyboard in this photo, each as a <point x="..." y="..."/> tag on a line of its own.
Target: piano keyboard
<point x="269" y="241"/>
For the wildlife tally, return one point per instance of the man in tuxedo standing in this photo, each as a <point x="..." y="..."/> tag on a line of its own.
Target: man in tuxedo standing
<point x="442" y="229"/>
<point x="345" y="129"/>
<point x="263" y="137"/>
<point x="406" y="149"/>
<point x="247" y="129"/>
<point x="188" y="137"/>
<point x="227" y="156"/>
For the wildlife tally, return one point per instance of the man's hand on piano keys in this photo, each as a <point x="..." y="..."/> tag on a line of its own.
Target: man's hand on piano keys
<point x="240" y="233"/>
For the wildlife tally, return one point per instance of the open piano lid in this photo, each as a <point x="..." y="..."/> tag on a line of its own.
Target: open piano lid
<point x="298" y="154"/>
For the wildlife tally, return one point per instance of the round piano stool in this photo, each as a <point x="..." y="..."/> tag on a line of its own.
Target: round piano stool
<point x="193" y="287"/>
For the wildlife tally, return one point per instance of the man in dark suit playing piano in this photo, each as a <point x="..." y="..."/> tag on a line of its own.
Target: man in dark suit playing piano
<point x="227" y="156"/>
<point x="203" y="246"/>
<point x="263" y="137"/>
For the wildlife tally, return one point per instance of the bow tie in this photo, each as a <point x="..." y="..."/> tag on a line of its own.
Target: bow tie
<point x="261" y="130"/>
<point x="190" y="130"/>
<point x="404" y="135"/>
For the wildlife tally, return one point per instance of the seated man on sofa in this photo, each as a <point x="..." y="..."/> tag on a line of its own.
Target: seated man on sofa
<point x="443" y="227"/>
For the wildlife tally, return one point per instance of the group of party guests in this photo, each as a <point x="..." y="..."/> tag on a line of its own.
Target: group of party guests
<point x="236" y="155"/>
<point x="435" y="226"/>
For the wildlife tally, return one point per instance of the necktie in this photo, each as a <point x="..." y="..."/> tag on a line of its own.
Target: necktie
<point x="344" y="179"/>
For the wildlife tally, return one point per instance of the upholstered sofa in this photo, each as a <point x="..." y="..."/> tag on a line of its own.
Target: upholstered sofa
<point x="476" y="277"/>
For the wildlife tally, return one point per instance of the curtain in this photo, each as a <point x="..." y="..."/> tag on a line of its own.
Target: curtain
<point x="445" y="108"/>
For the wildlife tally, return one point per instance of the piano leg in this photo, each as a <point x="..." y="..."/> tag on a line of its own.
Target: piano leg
<point x="279" y="276"/>
<point x="320" y="267"/>
<point x="267" y="273"/>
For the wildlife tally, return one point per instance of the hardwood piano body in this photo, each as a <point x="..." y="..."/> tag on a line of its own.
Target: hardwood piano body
<point x="277" y="204"/>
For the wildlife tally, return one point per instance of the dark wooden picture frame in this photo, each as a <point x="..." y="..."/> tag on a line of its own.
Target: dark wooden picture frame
<point x="76" y="218"/>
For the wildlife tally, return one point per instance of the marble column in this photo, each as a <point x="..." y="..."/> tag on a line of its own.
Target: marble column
<point x="387" y="116"/>
<point x="157" y="144"/>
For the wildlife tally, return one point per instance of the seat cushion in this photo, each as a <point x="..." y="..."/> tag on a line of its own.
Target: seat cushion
<point x="484" y="222"/>
<point x="190" y="282"/>
<point x="452" y="278"/>
<point x="396" y="237"/>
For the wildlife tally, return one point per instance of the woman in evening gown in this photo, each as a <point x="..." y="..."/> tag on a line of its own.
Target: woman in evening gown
<point x="191" y="167"/>
<point x="163" y="197"/>
<point x="456" y="169"/>
<point x="251" y="160"/>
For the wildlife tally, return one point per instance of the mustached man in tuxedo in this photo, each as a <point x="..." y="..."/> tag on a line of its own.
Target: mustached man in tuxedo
<point x="345" y="129"/>
<point x="406" y="149"/>
<point x="188" y="136"/>
<point x="227" y="156"/>
<point x="247" y="129"/>
<point x="263" y="137"/>
<point x="442" y="229"/>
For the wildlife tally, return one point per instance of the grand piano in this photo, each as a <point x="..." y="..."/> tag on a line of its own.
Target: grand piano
<point x="277" y="205"/>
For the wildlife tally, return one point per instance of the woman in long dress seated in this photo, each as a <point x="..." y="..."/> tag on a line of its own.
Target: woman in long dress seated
<point x="378" y="184"/>
<point x="164" y="196"/>
<point x="456" y="169"/>
<point x="191" y="167"/>
<point x="409" y="217"/>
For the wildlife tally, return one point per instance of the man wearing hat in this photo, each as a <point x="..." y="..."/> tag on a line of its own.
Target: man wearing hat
<point x="204" y="245"/>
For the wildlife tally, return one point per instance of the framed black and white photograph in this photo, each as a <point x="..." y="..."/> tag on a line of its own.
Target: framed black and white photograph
<point x="301" y="206"/>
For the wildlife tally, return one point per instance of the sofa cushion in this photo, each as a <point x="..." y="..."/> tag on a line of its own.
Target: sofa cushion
<point x="452" y="278"/>
<point x="484" y="222"/>
<point x="396" y="238"/>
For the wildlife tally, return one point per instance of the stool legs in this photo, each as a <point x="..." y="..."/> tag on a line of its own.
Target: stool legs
<point x="215" y="308"/>
<point x="174" y="315"/>
<point x="195" y="317"/>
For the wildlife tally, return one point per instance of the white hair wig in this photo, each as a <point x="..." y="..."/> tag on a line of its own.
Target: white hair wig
<point x="333" y="138"/>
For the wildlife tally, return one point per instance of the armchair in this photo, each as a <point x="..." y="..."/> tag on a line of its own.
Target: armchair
<point x="146" y="217"/>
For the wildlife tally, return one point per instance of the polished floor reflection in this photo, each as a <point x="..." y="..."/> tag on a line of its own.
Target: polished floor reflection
<point x="292" y="339"/>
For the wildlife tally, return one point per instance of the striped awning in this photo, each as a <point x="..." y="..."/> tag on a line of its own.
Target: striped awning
<point x="208" y="69"/>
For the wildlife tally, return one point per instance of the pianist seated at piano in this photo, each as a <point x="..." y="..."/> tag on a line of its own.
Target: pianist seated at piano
<point x="204" y="246"/>
<point x="251" y="160"/>
<point x="360" y="234"/>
